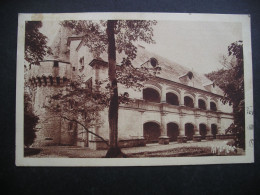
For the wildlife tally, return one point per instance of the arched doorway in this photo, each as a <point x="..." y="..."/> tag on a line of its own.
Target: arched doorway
<point x="203" y="131"/>
<point x="202" y="104"/>
<point x="189" y="131"/>
<point x="172" y="131"/>
<point x="188" y="101"/>
<point x="213" y="106"/>
<point x="214" y="130"/>
<point x="151" y="95"/>
<point x="172" y="99"/>
<point x="151" y="132"/>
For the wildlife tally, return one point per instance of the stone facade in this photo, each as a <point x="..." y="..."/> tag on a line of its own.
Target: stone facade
<point x="179" y="105"/>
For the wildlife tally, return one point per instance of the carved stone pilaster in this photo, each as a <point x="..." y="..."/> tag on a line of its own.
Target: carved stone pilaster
<point x="163" y="139"/>
<point x="181" y="138"/>
<point x="196" y="136"/>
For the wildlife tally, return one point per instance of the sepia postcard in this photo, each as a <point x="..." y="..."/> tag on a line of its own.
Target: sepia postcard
<point x="134" y="89"/>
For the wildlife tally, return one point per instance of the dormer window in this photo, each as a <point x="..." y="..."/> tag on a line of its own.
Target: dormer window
<point x="153" y="62"/>
<point x="210" y="86"/>
<point x="187" y="78"/>
<point x="190" y="75"/>
<point x="187" y="75"/>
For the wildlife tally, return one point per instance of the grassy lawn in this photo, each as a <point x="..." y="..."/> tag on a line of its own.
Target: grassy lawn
<point x="77" y="152"/>
<point x="176" y="152"/>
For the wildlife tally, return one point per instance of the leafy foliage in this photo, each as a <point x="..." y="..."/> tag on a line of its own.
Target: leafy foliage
<point x="110" y="36"/>
<point x="231" y="81"/>
<point x="35" y="43"/>
<point x="80" y="103"/>
<point x="94" y="34"/>
<point x="127" y="32"/>
<point x="30" y="122"/>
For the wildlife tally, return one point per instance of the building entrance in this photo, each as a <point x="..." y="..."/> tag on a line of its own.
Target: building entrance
<point x="189" y="131"/>
<point x="214" y="130"/>
<point x="151" y="132"/>
<point x="172" y="131"/>
<point x="203" y="131"/>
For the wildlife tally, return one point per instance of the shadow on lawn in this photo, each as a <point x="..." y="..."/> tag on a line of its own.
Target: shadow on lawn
<point x="31" y="151"/>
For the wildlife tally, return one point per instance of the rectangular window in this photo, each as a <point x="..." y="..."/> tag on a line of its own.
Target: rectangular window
<point x="55" y="64"/>
<point x="81" y="62"/>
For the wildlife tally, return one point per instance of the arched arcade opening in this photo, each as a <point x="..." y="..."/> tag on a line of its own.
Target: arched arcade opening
<point x="213" y="106"/>
<point x="172" y="99"/>
<point x="151" y="132"/>
<point x="203" y="131"/>
<point x="189" y="131"/>
<point x="172" y="131"/>
<point x="214" y="130"/>
<point x="202" y="104"/>
<point x="188" y="101"/>
<point x="151" y="95"/>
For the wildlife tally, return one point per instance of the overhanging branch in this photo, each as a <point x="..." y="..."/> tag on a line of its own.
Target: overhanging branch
<point x="66" y="118"/>
<point x="88" y="131"/>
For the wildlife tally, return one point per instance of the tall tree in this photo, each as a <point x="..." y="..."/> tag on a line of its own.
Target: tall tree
<point x="113" y="106"/>
<point x="231" y="80"/>
<point x="35" y="43"/>
<point x="117" y="36"/>
<point x="35" y="50"/>
<point x="30" y="122"/>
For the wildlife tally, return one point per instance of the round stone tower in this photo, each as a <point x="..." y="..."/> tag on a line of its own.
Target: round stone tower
<point x="45" y="80"/>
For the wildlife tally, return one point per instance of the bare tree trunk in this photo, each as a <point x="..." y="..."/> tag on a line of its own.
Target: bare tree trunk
<point x="114" y="150"/>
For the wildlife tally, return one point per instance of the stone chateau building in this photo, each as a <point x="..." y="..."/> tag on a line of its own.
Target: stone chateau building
<point x="178" y="106"/>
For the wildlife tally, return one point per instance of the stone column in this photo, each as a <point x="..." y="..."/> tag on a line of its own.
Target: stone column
<point x="182" y="98"/>
<point x="218" y="105"/>
<point x="140" y="138"/>
<point x="209" y="135"/>
<point x="208" y="103"/>
<point x="163" y="95"/>
<point x="196" y="103"/>
<point x="196" y="136"/>
<point x="219" y="127"/>
<point x="163" y="139"/>
<point x="181" y="138"/>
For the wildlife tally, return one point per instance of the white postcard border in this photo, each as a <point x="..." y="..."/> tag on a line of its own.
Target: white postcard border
<point x="249" y="153"/>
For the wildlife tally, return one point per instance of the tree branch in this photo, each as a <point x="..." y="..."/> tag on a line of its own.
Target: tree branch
<point x="85" y="128"/>
<point x="88" y="131"/>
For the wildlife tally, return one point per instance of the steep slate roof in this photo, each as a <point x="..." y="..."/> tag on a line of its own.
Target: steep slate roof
<point x="170" y="70"/>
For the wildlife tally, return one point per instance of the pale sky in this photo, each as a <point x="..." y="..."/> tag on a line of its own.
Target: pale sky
<point x="196" y="45"/>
